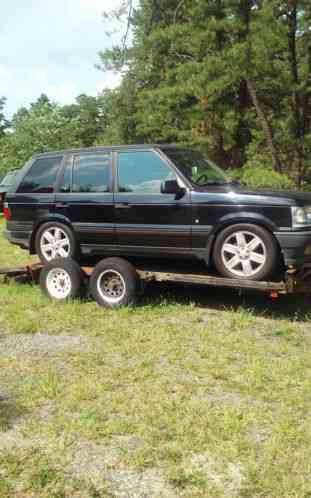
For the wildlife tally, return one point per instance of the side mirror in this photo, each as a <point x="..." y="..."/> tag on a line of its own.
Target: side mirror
<point x="172" y="187"/>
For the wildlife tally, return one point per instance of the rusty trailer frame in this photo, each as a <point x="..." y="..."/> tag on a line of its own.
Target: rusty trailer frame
<point x="293" y="282"/>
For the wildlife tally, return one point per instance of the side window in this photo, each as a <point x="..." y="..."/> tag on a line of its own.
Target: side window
<point x="142" y="172"/>
<point x="91" y="173"/>
<point x="41" y="177"/>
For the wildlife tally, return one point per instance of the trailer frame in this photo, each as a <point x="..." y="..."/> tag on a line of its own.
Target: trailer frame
<point x="294" y="281"/>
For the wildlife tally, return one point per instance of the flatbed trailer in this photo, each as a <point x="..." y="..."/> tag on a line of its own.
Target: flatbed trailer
<point x="293" y="281"/>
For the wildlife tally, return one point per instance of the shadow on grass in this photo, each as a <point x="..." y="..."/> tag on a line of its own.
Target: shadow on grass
<point x="10" y="412"/>
<point x="287" y="307"/>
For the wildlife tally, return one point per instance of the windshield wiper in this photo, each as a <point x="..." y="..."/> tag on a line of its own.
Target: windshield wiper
<point x="213" y="182"/>
<point x="219" y="183"/>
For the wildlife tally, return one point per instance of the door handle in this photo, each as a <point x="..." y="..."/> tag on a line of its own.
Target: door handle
<point x="123" y="205"/>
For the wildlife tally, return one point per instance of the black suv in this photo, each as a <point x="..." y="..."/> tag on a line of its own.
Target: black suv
<point x="155" y="200"/>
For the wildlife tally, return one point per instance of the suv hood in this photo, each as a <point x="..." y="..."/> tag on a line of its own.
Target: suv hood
<point x="299" y="198"/>
<point x="249" y="195"/>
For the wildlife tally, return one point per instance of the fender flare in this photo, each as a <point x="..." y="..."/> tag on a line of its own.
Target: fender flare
<point x="234" y="219"/>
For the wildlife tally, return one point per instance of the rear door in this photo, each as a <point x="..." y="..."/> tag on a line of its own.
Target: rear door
<point x="85" y="197"/>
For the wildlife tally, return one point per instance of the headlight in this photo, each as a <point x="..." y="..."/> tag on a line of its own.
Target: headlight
<point x="301" y="216"/>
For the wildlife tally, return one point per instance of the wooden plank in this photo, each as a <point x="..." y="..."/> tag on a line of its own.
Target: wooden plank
<point x="203" y="279"/>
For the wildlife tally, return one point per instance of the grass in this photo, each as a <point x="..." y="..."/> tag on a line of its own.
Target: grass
<point x="208" y="390"/>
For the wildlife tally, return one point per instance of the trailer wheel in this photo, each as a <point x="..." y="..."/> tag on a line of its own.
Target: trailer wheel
<point x="62" y="279"/>
<point x="114" y="283"/>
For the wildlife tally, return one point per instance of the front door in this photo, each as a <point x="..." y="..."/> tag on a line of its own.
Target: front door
<point x="147" y="220"/>
<point x="85" y="198"/>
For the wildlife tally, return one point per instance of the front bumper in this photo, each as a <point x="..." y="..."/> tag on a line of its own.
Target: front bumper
<point x="295" y="247"/>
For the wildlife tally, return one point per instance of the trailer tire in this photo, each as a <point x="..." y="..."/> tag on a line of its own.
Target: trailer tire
<point x="114" y="283"/>
<point x="62" y="279"/>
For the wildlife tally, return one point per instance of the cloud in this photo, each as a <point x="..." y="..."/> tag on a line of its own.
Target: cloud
<point x="52" y="48"/>
<point x="110" y="80"/>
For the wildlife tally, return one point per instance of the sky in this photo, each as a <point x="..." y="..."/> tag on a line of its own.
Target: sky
<point x="51" y="47"/>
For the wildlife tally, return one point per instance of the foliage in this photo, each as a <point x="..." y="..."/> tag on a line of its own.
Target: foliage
<point x="232" y="77"/>
<point x="89" y="114"/>
<point x="4" y="124"/>
<point x="40" y="128"/>
<point x="262" y="176"/>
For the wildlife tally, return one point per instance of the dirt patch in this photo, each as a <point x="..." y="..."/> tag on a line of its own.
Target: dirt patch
<point x="11" y="345"/>
<point x="101" y="466"/>
<point x="226" y="476"/>
<point x="148" y="484"/>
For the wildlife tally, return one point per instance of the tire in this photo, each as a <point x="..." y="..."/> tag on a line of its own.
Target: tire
<point x="114" y="283"/>
<point x="62" y="279"/>
<point x="234" y="257"/>
<point x="61" y="234"/>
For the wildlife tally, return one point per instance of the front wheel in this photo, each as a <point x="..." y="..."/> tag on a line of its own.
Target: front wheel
<point x="245" y="251"/>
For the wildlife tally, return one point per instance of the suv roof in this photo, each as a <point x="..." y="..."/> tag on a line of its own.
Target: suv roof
<point x="106" y="148"/>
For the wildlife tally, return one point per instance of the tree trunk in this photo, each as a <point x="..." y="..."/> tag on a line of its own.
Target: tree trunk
<point x="296" y="96"/>
<point x="277" y="165"/>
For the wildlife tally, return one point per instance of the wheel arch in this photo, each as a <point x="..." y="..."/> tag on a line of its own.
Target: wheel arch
<point x="43" y="221"/>
<point x="233" y="219"/>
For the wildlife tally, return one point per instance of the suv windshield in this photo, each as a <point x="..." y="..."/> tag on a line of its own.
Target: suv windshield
<point x="196" y="168"/>
<point x="8" y="179"/>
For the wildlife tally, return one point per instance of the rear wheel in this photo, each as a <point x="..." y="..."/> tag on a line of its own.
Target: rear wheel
<point x="62" y="279"/>
<point x="114" y="283"/>
<point x="55" y="240"/>
<point x="245" y="251"/>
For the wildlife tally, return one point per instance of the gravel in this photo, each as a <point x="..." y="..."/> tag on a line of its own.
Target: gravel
<point x="11" y="345"/>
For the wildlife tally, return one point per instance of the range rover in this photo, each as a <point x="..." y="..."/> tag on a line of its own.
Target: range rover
<point x="155" y="201"/>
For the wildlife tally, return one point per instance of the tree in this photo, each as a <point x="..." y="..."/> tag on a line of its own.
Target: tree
<point x="4" y="124"/>
<point x="40" y="128"/>
<point x="89" y="114"/>
<point x="231" y="76"/>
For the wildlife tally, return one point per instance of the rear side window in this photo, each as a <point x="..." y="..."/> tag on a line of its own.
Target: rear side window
<point x="91" y="173"/>
<point x="41" y="177"/>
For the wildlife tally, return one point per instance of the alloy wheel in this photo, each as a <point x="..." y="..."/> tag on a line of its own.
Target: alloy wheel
<point x="243" y="254"/>
<point x="55" y="243"/>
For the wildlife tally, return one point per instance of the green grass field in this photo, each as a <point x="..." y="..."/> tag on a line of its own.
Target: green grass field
<point x="196" y="392"/>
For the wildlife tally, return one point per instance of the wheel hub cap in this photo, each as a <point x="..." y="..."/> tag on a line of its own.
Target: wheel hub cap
<point x="55" y="243"/>
<point x="111" y="286"/>
<point x="58" y="283"/>
<point x="244" y="254"/>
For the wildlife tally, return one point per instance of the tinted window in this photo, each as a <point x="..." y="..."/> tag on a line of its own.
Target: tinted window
<point x="141" y="172"/>
<point x="42" y="176"/>
<point x="9" y="178"/>
<point x="91" y="173"/>
<point x="196" y="167"/>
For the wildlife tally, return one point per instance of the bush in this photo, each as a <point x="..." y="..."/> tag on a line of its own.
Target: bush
<point x="261" y="176"/>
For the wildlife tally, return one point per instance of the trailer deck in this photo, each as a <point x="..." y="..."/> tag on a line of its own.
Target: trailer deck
<point x="148" y="272"/>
